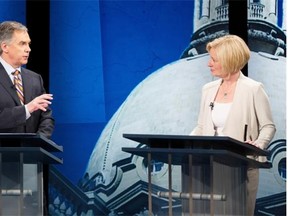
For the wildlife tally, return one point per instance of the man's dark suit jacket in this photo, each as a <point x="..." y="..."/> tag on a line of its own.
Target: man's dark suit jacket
<point x="12" y="113"/>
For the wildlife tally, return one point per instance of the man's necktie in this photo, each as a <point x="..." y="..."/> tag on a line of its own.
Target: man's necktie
<point x="18" y="85"/>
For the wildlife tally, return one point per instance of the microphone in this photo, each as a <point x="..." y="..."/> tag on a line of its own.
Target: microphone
<point x="245" y="132"/>
<point x="211" y="105"/>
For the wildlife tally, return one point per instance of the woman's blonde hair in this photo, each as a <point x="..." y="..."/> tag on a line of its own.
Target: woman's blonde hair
<point x="232" y="53"/>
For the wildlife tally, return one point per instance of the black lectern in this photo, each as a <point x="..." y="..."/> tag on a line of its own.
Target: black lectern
<point x="213" y="171"/>
<point x="22" y="157"/>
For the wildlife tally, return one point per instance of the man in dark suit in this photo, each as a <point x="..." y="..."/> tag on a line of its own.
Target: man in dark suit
<point x="33" y="115"/>
<point x="24" y="104"/>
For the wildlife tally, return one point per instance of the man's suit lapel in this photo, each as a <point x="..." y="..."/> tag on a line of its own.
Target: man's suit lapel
<point x="6" y="82"/>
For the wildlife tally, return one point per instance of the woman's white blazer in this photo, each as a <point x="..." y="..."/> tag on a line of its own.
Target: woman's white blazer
<point x="250" y="109"/>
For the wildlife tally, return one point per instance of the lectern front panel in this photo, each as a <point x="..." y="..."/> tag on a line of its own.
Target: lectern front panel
<point x="216" y="189"/>
<point x="21" y="189"/>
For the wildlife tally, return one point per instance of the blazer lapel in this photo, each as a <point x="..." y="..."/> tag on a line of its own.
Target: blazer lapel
<point x="229" y="127"/>
<point x="211" y="99"/>
<point x="7" y="84"/>
<point x="214" y="91"/>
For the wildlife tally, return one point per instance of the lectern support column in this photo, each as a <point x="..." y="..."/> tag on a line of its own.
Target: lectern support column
<point x="149" y="185"/>
<point x="212" y="211"/>
<point x="40" y="188"/>
<point x="190" y="185"/>
<point x="170" y="183"/>
<point x="21" y="183"/>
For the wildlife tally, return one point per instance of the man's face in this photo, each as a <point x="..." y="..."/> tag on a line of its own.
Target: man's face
<point x="16" y="52"/>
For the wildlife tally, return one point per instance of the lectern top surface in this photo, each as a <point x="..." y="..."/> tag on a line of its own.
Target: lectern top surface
<point x="28" y="140"/>
<point x="188" y="141"/>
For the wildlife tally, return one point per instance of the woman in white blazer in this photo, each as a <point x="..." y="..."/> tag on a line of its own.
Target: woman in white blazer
<point x="235" y="105"/>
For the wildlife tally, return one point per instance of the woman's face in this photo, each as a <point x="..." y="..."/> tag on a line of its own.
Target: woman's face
<point x="214" y="64"/>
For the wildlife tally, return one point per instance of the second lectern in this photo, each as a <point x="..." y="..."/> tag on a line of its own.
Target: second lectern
<point x="213" y="171"/>
<point x="22" y="182"/>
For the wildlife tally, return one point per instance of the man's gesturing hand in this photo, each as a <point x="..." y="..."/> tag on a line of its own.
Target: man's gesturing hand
<point x="41" y="102"/>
